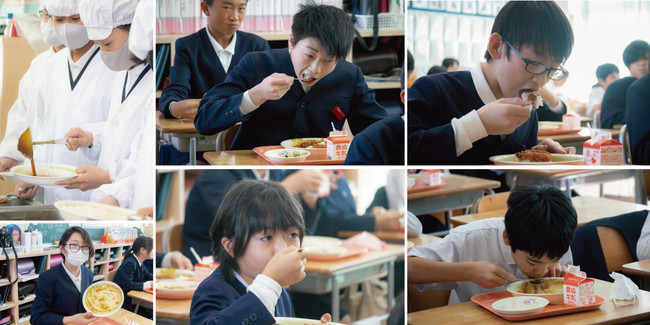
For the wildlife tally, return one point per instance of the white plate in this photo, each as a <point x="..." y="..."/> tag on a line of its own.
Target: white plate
<point x="553" y="298"/>
<point x="180" y="287"/>
<point x="300" y="321"/>
<point x="545" y="125"/>
<point x="310" y="241"/>
<point x="101" y="283"/>
<point x="556" y="159"/>
<point x="82" y="210"/>
<point x="277" y="155"/>
<point x="52" y="172"/>
<point x="520" y="305"/>
<point x="176" y="273"/>
<point x="316" y="153"/>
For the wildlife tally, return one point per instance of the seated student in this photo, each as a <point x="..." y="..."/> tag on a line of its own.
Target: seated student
<point x="273" y="105"/>
<point x="450" y="64"/>
<point x="643" y="244"/>
<point x="532" y="241"/>
<point x="202" y="60"/>
<point x="465" y="117"/>
<point x="255" y="238"/>
<point x="636" y="58"/>
<point x="60" y="289"/>
<point x="131" y="275"/>
<point x="637" y="117"/>
<point x="606" y="74"/>
<point x="436" y="69"/>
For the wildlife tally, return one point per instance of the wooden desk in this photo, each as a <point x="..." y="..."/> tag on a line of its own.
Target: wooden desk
<point x="471" y="313"/>
<point x="173" y="309"/>
<point x="234" y="157"/>
<point x="457" y="192"/>
<point x="390" y="236"/>
<point x="330" y="276"/>
<point x="641" y="269"/>
<point x="122" y="315"/>
<point x="588" y="208"/>
<point x="179" y="128"/>
<point x="568" y="179"/>
<point x="141" y="298"/>
<point x="577" y="139"/>
<point x="423" y="240"/>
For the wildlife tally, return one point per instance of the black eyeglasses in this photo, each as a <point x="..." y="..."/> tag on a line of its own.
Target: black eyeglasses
<point x="75" y="248"/>
<point x="538" y="68"/>
<point x="42" y="14"/>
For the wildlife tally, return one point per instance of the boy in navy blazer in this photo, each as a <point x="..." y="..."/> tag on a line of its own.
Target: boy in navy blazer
<point x="637" y="117"/>
<point x="465" y="117"/>
<point x="264" y="93"/>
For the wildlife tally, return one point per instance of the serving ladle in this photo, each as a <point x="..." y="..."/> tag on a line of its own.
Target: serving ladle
<point x="26" y="147"/>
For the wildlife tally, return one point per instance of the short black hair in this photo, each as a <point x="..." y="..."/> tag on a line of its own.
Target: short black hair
<point x="542" y="25"/>
<point x="448" y="62"/>
<point x="140" y="242"/>
<point x="636" y="51"/>
<point x="251" y="206"/>
<point x="84" y="236"/>
<point x="540" y="220"/>
<point x="328" y="25"/>
<point x="210" y="2"/>
<point x="410" y="60"/>
<point x="436" y="69"/>
<point x="605" y="70"/>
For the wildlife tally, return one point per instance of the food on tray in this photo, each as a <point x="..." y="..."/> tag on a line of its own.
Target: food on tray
<point x="171" y="274"/>
<point x="533" y="98"/>
<point x="309" y="144"/>
<point x="326" y="250"/>
<point x="533" y="156"/>
<point x="103" y="298"/>
<point x="539" y="286"/>
<point x="46" y="171"/>
<point x="292" y="154"/>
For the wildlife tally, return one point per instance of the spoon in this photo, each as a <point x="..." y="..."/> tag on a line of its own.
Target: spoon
<point x="305" y="77"/>
<point x="26" y="148"/>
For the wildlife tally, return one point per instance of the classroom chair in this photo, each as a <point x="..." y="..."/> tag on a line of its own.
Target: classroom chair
<point x="175" y="240"/>
<point x="110" y="275"/>
<point x="426" y="299"/>
<point x="491" y="202"/>
<point x="615" y="249"/>
<point x="597" y="120"/>
<point x="646" y="182"/>
<point x="225" y="138"/>
<point x="624" y="138"/>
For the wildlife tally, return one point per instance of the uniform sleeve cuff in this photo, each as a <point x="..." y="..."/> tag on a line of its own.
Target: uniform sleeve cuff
<point x="246" y="105"/>
<point x="267" y="290"/>
<point x="467" y="130"/>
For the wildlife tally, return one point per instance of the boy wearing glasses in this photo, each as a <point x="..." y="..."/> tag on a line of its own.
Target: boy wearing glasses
<point x="465" y="117"/>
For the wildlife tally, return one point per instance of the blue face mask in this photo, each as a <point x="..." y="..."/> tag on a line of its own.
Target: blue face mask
<point x="118" y="60"/>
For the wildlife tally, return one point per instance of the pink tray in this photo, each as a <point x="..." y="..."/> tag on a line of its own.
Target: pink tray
<point x="558" y="131"/>
<point x="351" y="251"/>
<point x="486" y="300"/>
<point x="105" y="321"/>
<point x="309" y="161"/>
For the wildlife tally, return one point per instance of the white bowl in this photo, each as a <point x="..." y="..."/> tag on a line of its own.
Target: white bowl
<point x="553" y="298"/>
<point x="52" y="172"/>
<point x="301" y="321"/>
<point x="316" y="153"/>
<point x="278" y="155"/>
<point x="83" y="210"/>
<point x="119" y="305"/>
<point x="520" y="305"/>
<point x="326" y="251"/>
<point x="320" y="241"/>
<point x="176" y="287"/>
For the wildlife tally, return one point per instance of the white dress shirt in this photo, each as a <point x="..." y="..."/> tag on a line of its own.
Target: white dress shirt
<point x="595" y="98"/>
<point x="75" y="279"/>
<point x="643" y="245"/>
<point x="480" y="240"/>
<point x="224" y="54"/>
<point x="147" y="284"/>
<point x="266" y="289"/>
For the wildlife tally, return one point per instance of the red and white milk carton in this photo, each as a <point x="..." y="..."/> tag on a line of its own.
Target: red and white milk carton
<point x="205" y="268"/>
<point x="578" y="289"/>
<point x="601" y="149"/>
<point x="571" y="121"/>
<point x="337" y="145"/>
<point x="430" y="177"/>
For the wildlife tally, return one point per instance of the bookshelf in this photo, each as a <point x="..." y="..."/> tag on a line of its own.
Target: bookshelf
<point x="11" y="307"/>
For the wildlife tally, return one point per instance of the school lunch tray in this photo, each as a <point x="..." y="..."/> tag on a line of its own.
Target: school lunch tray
<point x="181" y="141"/>
<point x="313" y="161"/>
<point x="486" y="300"/>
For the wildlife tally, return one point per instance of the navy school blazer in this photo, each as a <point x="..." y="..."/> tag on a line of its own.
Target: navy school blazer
<point x="342" y="94"/>
<point x="637" y="118"/>
<point x="197" y="67"/>
<point x="380" y="144"/>
<point x="131" y="276"/>
<point x="57" y="296"/>
<point x="612" y="109"/>
<point x="216" y="301"/>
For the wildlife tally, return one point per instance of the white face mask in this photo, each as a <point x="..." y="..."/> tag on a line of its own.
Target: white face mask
<point x="49" y="35"/>
<point x="72" y="35"/>
<point x="76" y="258"/>
<point x="118" y="60"/>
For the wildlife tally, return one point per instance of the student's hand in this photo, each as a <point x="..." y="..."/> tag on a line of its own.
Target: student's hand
<point x="303" y="181"/>
<point x="81" y="318"/>
<point x="109" y="200"/>
<point x="6" y="163"/>
<point x="556" y="270"/>
<point x="179" y="261"/>
<point x="504" y="116"/>
<point x="489" y="275"/>
<point x="77" y="137"/>
<point x="326" y="318"/>
<point x="90" y="177"/>
<point x="287" y="266"/>
<point x="185" y="108"/>
<point x="272" y="87"/>
<point x="554" y="147"/>
<point x="25" y="191"/>
<point x="387" y="220"/>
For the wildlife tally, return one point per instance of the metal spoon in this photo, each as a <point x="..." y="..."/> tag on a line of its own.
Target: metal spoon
<point x="305" y="77"/>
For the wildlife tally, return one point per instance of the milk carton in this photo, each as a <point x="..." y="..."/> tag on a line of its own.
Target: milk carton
<point x="578" y="289"/>
<point x="571" y="121"/>
<point x="601" y="149"/>
<point x="337" y="145"/>
<point x="430" y="177"/>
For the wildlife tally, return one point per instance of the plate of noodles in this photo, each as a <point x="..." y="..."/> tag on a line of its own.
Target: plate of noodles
<point x="47" y="174"/>
<point x="103" y="298"/>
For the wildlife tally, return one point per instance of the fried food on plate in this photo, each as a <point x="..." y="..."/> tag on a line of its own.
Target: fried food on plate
<point x="533" y="156"/>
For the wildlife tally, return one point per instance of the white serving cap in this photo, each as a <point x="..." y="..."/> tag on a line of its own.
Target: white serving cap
<point x="141" y="35"/>
<point x="101" y="16"/>
<point x="63" y="8"/>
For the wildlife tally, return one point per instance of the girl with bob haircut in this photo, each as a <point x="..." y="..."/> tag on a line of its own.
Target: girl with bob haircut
<point x="131" y="275"/>
<point x="256" y="236"/>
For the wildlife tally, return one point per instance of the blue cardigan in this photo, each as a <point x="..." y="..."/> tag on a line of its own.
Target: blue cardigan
<point x="638" y="120"/>
<point x="131" y="276"/>
<point x="197" y="67"/>
<point x="296" y="114"/>
<point x="57" y="296"/>
<point x="216" y="301"/>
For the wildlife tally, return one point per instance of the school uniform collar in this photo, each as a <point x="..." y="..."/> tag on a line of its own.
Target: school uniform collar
<point x="137" y="260"/>
<point x="84" y="58"/>
<point x="266" y="177"/>
<point x="481" y="85"/>
<point x="506" y="251"/>
<point x="241" y="280"/>
<point x="218" y="48"/>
